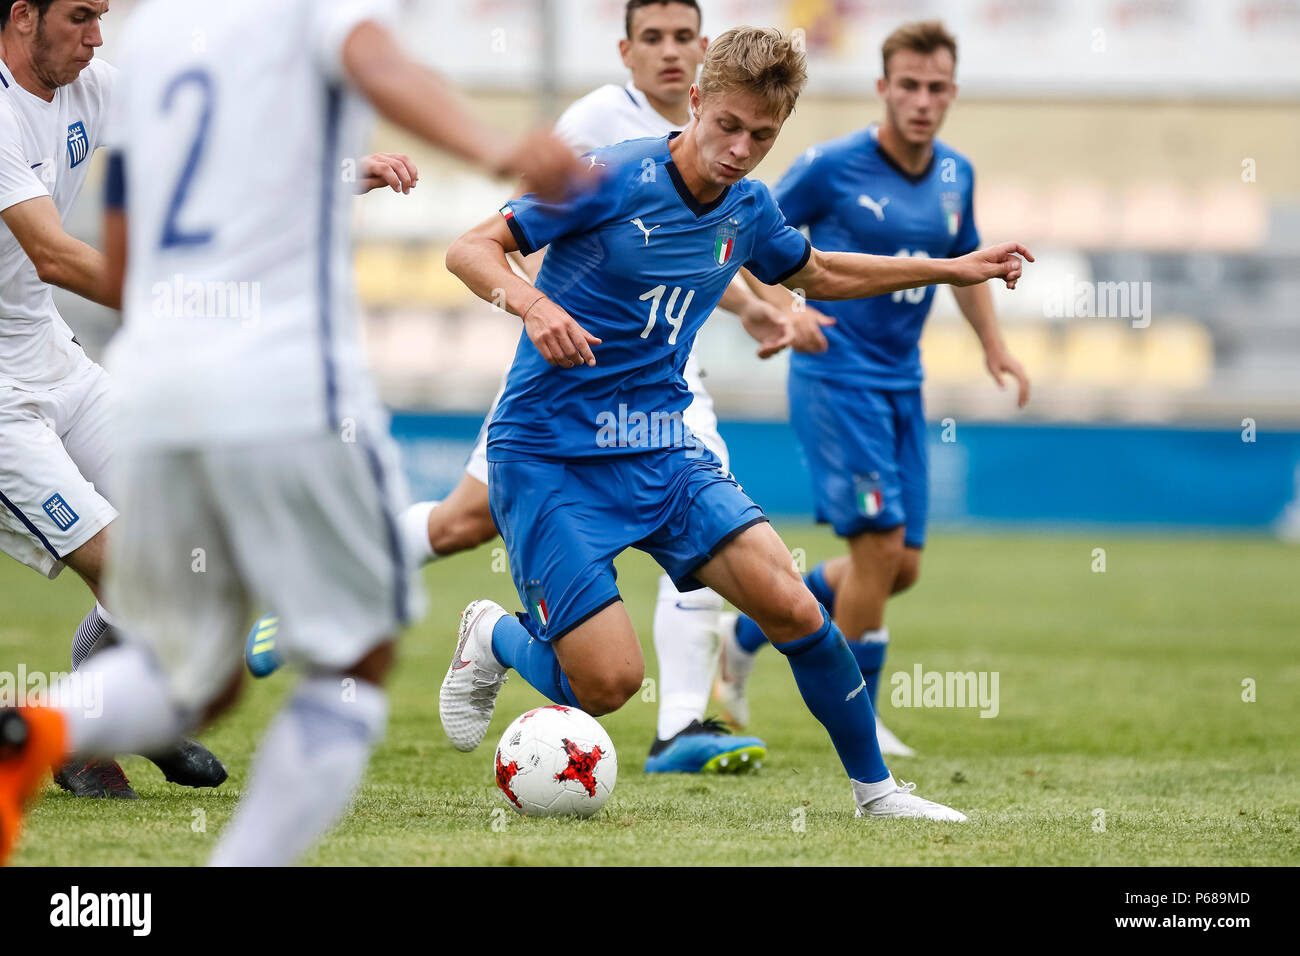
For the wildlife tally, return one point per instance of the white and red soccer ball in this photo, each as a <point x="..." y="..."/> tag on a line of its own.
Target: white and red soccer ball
<point x="556" y="761"/>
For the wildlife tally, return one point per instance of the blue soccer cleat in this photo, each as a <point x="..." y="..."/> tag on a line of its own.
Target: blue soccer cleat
<point x="706" y="747"/>
<point x="259" y="652"/>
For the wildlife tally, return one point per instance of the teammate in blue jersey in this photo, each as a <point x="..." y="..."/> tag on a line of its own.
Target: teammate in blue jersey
<point x="890" y="189"/>
<point x="587" y="454"/>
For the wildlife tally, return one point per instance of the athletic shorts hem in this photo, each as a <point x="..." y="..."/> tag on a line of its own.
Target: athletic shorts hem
<point x="688" y="582"/>
<point x="582" y="619"/>
<point x="864" y="526"/>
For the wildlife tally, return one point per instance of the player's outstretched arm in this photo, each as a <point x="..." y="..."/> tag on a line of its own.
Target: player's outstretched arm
<point x="419" y="101"/>
<point x="478" y="259"/>
<point x="60" y="259"/>
<point x="849" y="275"/>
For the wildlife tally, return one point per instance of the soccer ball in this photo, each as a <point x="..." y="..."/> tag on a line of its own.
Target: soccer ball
<point x="556" y="761"/>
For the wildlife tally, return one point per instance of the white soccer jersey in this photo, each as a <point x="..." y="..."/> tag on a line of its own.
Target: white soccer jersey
<point x="611" y="115"/>
<point x="44" y="150"/>
<point x="237" y="122"/>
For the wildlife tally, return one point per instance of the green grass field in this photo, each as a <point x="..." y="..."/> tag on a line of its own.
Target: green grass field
<point x="1121" y="739"/>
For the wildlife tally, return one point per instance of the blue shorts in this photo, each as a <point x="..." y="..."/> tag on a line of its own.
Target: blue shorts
<point x="564" y="522"/>
<point x="866" y="450"/>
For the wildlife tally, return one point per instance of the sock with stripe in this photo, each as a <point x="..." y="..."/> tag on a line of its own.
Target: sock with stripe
<point x="95" y="631"/>
<point x="832" y="686"/>
<point x="515" y="646"/>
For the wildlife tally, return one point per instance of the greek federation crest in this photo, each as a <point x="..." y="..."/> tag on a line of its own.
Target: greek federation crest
<point x="724" y="242"/>
<point x="78" y="143"/>
<point x="952" y="204"/>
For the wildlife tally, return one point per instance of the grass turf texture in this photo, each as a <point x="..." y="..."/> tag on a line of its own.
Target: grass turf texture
<point x="1119" y="692"/>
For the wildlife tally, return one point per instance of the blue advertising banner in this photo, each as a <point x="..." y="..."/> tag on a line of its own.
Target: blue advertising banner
<point x="989" y="474"/>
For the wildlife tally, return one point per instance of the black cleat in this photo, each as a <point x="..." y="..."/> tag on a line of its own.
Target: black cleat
<point x="190" y="764"/>
<point x="102" y="779"/>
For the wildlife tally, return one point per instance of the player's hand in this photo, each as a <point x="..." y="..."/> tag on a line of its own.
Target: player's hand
<point x="1004" y="261"/>
<point x="767" y="325"/>
<point x="547" y="165"/>
<point x="1000" y="363"/>
<point x="561" y="340"/>
<point x="808" y="324"/>
<point x="388" y="169"/>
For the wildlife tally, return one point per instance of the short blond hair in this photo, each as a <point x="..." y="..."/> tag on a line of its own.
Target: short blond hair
<point x="923" y="36"/>
<point x="759" y="60"/>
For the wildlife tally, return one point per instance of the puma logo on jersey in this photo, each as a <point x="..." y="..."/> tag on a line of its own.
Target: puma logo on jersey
<point x="594" y="164"/>
<point x="640" y="225"/>
<point x="877" y="207"/>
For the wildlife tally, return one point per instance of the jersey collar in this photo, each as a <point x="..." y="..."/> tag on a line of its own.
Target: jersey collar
<point x="912" y="178"/>
<point x="640" y="101"/>
<point x="688" y="197"/>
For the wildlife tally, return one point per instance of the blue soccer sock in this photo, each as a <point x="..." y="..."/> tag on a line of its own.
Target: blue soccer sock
<point x="748" y="634"/>
<point x="820" y="587"/>
<point x="832" y="686"/>
<point x="515" y="646"/>
<point x="869" y="651"/>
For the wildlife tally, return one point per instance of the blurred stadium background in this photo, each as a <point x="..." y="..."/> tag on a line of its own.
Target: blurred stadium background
<point x="1154" y="142"/>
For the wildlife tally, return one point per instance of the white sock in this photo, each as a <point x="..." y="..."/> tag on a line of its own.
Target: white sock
<point x="413" y="527"/>
<point x="308" y="766"/>
<point x="119" y="702"/>
<point x="864" y="793"/>
<point x="686" y="644"/>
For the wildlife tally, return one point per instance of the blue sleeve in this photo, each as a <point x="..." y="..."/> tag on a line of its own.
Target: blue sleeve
<point x="780" y="250"/>
<point x="535" y="224"/>
<point x="968" y="237"/>
<point x="115" y="182"/>
<point x="801" y="192"/>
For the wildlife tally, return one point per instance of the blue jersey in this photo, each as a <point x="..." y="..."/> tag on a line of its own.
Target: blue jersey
<point x="854" y="198"/>
<point x="639" y="263"/>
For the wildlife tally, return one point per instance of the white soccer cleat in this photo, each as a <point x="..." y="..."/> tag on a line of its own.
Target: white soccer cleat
<point x="890" y="745"/>
<point x="902" y="802"/>
<point x="734" y="666"/>
<point x="469" y="691"/>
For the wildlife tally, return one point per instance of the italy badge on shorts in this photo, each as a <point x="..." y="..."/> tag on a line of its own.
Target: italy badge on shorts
<point x="536" y="602"/>
<point x="78" y="143"/>
<point x="866" y="492"/>
<point x="724" y="242"/>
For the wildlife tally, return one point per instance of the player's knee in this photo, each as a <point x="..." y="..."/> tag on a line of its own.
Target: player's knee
<point x="611" y="690"/>
<point x="909" y="571"/>
<point x="792" y="614"/>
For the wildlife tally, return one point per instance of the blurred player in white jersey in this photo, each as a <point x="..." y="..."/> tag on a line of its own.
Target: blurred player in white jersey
<point x="663" y="51"/>
<point x="254" y="463"/>
<point x="54" y="401"/>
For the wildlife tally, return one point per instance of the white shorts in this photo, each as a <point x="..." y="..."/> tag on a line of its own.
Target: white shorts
<point x="54" y="457"/>
<point x="699" y="417"/>
<point x="304" y="527"/>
